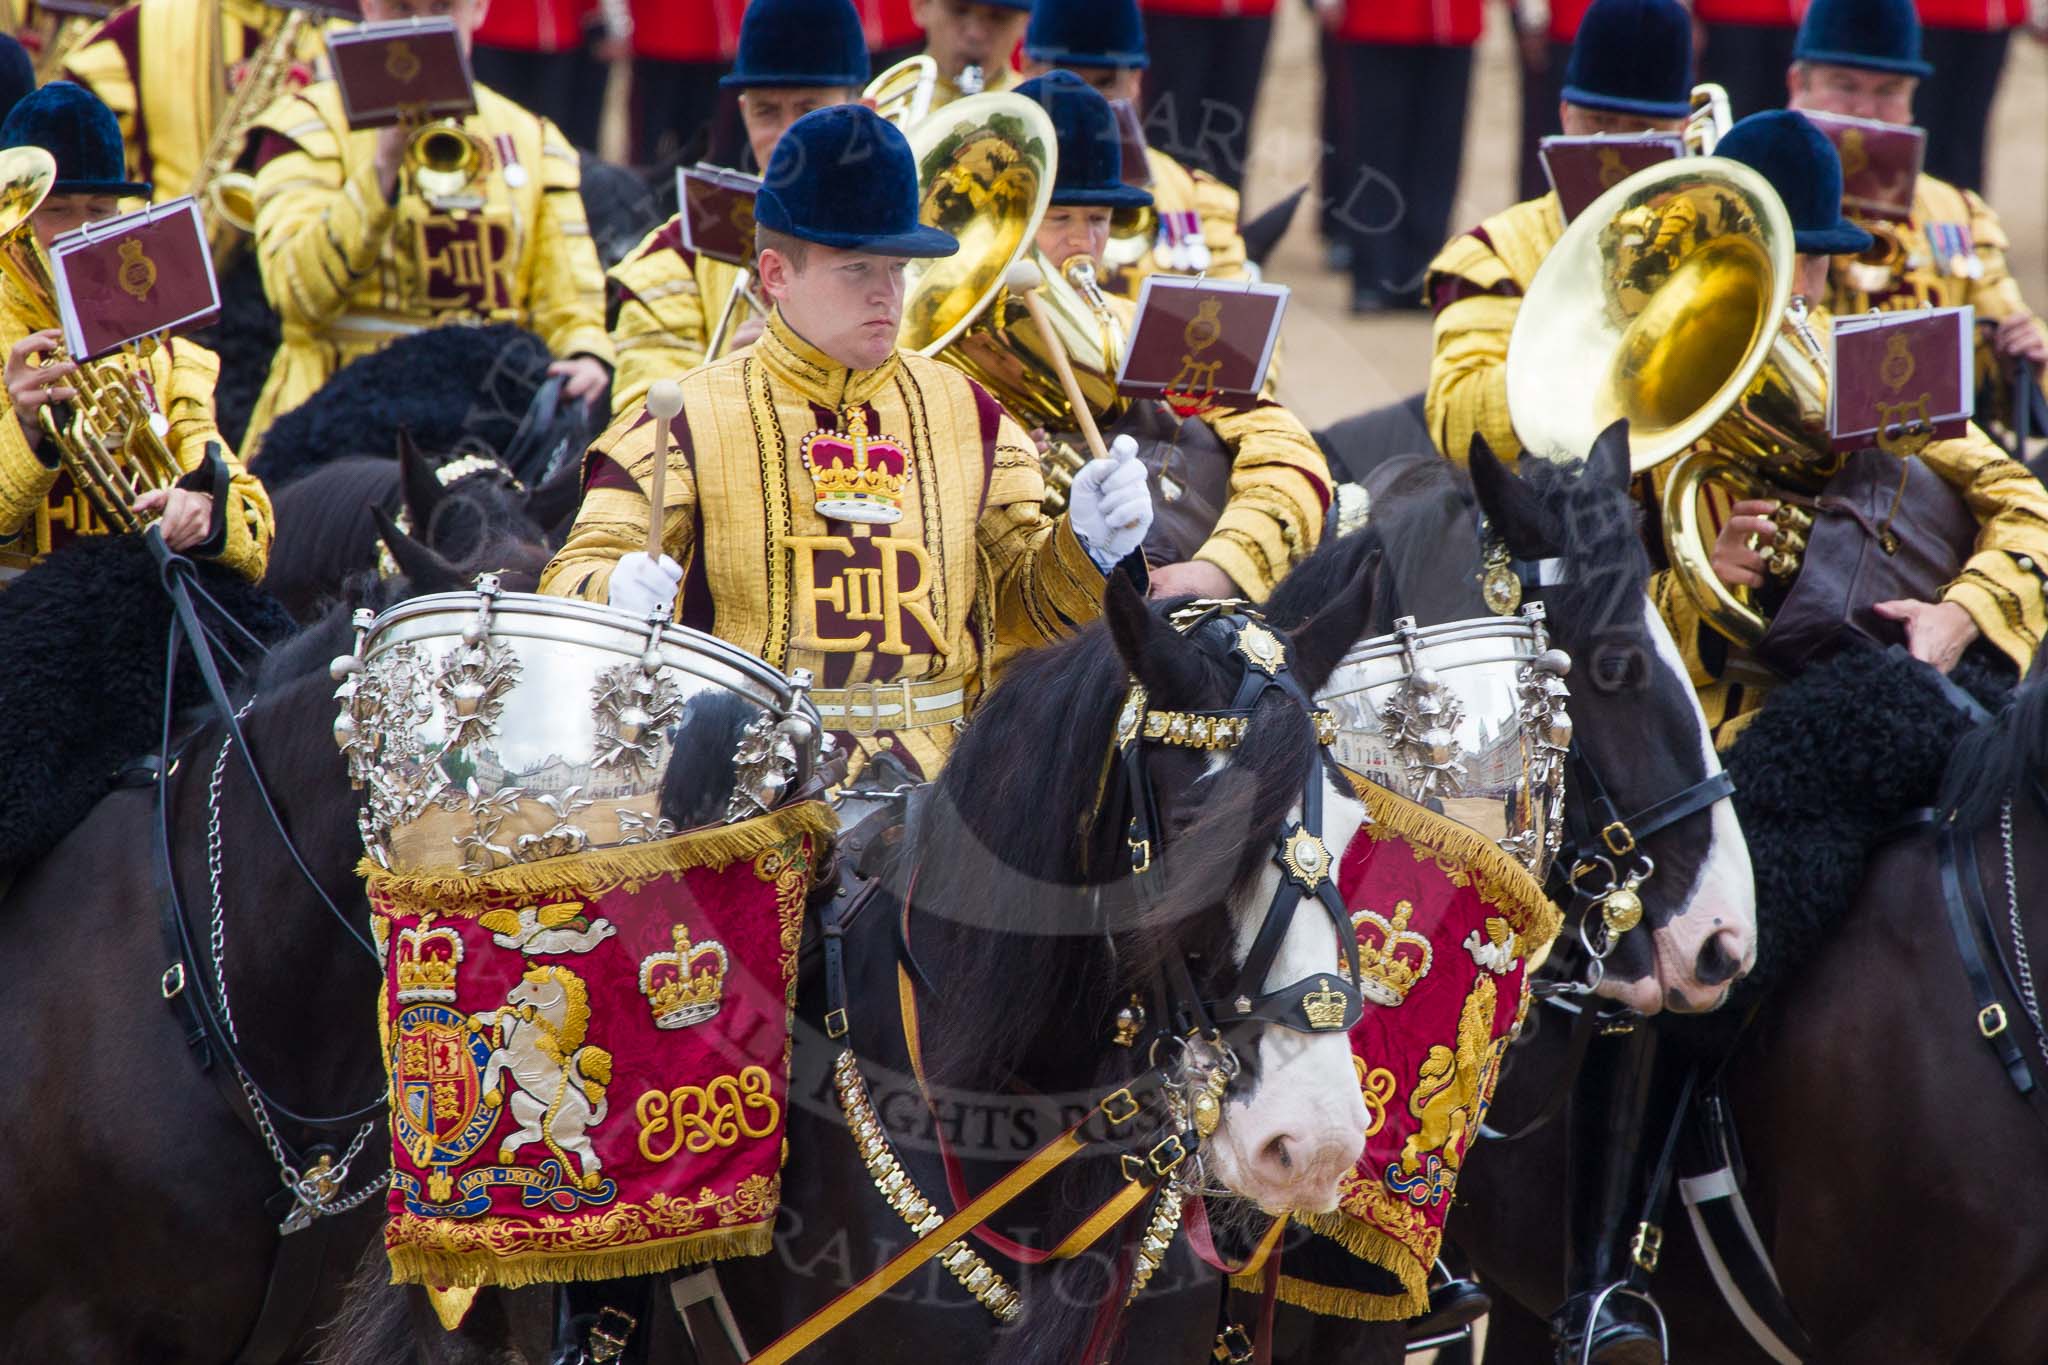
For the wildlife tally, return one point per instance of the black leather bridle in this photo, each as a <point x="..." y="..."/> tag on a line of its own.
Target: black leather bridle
<point x="1327" y="1002"/>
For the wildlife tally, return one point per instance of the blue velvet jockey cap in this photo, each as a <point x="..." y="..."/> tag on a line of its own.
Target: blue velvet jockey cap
<point x="1877" y="35"/>
<point x="844" y="177"/>
<point x="1632" y="57"/>
<point x="17" y="74"/>
<point x="1086" y="33"/>
<point x="1091" y="162"/>
<point x="1802" y="166"/>
<point x="71" y="124"/>
<point x="800" y="42"/>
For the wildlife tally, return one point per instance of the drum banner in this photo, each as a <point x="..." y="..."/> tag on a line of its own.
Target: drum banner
<point x="1448" y="928"/>
<point x="588" y="1056"/>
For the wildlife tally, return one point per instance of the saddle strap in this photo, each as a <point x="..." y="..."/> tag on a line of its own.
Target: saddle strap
<point x="294" y="1283"/>
<point x="1741" y="1268"/>
<point x="1958" y="896"/>
<point x="1736" y="1256"/>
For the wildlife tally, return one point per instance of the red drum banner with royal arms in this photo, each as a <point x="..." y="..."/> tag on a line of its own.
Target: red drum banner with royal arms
<point x="1449" y="927"/>
<point x="589" y="1055"/>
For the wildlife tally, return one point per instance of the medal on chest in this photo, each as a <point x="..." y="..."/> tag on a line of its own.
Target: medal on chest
<point x="854" y="476"/>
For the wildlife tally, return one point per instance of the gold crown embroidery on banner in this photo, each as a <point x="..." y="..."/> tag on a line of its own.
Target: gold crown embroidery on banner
<point x="425" y="965"/>
<point x="854" y="476"/>
<point x="1324" y="1007"/>
<point x="686" y="986"/>
<point x="1391" y="956"/>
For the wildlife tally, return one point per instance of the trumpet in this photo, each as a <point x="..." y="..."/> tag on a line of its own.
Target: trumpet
<point x="442" y="159"/>
<point x="107" y="439"/>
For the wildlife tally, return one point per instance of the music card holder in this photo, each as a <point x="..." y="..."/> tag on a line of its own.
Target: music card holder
<point x="1901" y="379"/>
<point x="1198" y="343"/>
<point x="1581" y="169"/>
<point x="718" y="212"/>
<point x="138" y="275"/>
<point x="402" y="71"/>
<point x="84" y="9"/>
<point x="1880" y="164"/>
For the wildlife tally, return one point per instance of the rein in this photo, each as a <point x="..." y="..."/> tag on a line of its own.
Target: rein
<point x="202" y="1004"/>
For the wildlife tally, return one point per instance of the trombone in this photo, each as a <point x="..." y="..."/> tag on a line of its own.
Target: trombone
<point x="107" y="439"/>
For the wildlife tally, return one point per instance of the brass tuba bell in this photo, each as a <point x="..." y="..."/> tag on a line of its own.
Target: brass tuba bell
<point x="1668" y="301"/>
<point x="985" y="171"/>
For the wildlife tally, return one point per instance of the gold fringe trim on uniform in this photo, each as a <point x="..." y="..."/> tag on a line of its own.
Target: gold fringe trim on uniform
<point x="1502" y="882"/>
<point x="516" y="1270"/>
<point x="583" y="873"/>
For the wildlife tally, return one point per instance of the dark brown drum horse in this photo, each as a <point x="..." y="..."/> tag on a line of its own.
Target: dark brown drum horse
<point x="140" y="1200"/>
<point x="1897" y="1178"/>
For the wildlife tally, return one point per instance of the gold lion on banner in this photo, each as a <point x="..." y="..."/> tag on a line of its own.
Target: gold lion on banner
<point x="1450" y="1086"/>
<point x="537" y="1040"/>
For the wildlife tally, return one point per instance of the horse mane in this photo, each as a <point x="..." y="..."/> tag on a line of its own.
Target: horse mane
<point x="1598" y="532"/>
<point x="1992" y="763"/>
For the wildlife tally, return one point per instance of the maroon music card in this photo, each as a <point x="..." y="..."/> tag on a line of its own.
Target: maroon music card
<point x="1197" y="342"/>
<point x="140" y="274"/>
<point x="1906" y="372"/>
<point x="1581" y="169"/>
<point x="718" y="212"/>
<point x="404" y="71"/>
<point x="1880" y="164"/>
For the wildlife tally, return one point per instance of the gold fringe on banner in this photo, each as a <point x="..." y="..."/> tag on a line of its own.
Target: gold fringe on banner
<point x="425" y="1265"/>
<point x="1501" y="882"/>
<point x="584" y="874"/>
<point x="1375" y="1246"/>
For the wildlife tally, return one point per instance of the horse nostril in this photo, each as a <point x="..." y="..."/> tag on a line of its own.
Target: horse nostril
<point x="1277" y="1153"/>
<point x="1716" y="963"/>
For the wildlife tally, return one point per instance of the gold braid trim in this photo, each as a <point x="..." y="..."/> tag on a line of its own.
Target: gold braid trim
<point x="1501" y="882"/>
<point x="574" y="873"/>
<point x="425" y="1265"/>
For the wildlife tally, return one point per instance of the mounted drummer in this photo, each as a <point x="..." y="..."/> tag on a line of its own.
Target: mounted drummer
<point x="1239" y="494"/>
<point x="835" y="505"/>
<point x="795" y="56"/>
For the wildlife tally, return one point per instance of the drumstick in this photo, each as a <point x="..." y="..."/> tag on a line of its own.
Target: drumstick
<point x="664" y="400"/>
<point x="1024" y="279"/>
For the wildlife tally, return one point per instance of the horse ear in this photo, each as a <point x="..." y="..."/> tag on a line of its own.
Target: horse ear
<point x="424" y="570"/>
<point x="555" y="501"/>
<point x="1607" y="463"/>
<point x="1153" y="652"/>
<point x="1513" y="508"/>
<point x="421" y="489"/>
<point x="1322" y="643"/>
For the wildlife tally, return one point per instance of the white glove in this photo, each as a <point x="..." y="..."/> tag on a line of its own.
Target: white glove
<point x="1110" y="505"/>
<point x="644" y="586"/>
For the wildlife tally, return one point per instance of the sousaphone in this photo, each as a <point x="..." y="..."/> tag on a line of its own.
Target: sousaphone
<point x="1668" y="301"/>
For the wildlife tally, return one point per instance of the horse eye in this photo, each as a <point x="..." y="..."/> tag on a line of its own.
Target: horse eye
<point x="1618" y="667"/>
